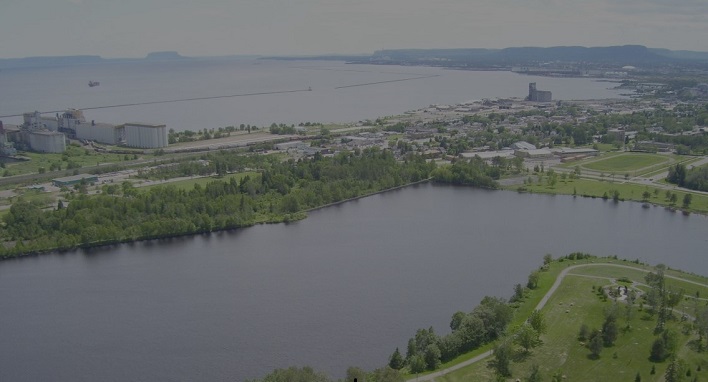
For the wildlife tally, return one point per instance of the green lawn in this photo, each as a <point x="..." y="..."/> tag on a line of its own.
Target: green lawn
<point x="638" y="276"/>
<point x="626" y="162"/>
<point x="575" y="303"/>
<point x="628" y="191"/>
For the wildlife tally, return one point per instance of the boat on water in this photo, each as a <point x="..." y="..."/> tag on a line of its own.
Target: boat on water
<point x="94" y="83"/>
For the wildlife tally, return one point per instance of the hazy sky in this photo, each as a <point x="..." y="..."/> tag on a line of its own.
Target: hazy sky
<point x="132" y="28"/>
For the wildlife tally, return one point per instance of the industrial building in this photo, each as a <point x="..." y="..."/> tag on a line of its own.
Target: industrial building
<point x="145" y="136"/>
<point x="6" y="147"/>
<point x="68" y="121"/>
<point x="46" y="141"/>
<point x="538" y="95"/>
<point x="35" y="121"/>
<point x="48" y="134"/>
<point x="99" y="132"/>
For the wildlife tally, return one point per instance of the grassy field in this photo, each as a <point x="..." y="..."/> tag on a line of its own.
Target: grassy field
<point x="188" y="184"/>
<point x="626" y="162"/>
<point x="77" y="155"/>
<point x="628" y="191"/>
<point x="575" y="303"/>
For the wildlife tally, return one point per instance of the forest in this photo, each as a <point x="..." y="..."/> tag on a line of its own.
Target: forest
<point x="280" y="191"/>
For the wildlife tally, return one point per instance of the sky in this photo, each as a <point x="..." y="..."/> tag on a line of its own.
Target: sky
<point x="133" y="28"/>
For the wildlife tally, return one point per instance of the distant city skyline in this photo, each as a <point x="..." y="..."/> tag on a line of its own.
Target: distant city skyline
<point x="134" y="28"/>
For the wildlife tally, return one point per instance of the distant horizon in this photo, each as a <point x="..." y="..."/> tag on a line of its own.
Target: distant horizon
<point x="181" y="54"/>
<point x="132" y="28"/>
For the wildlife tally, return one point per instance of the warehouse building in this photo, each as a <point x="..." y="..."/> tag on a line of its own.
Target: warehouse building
<point x="76" y="179"/>
<point x="145" y="136"/>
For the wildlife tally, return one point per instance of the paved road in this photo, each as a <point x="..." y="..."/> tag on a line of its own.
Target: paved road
<point x="541" y="304"/>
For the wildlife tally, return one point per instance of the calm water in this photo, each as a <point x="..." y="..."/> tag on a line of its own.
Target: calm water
<point x="49" y="89"/>
<point x="343" y="287"/>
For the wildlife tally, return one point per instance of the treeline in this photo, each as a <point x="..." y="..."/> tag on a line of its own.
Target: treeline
<point x="694" y="179"/>
<point x="307" y="374"/>
<point x="427" y="351"/>
<point x="280" y="192"/>
<point x="472" y="172"/>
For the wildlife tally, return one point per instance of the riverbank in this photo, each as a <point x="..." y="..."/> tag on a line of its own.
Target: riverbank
<point x="604" y="189"/>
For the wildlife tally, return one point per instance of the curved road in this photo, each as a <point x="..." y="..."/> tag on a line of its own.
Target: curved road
<point x="541" y="304"/>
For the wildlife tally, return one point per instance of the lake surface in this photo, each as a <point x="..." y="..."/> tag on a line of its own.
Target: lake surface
<point x="343" y="287"/>
<point x="48" y="89"/>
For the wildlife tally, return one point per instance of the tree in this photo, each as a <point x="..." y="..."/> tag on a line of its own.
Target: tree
<point x="396" y="360"/>
<point x="675" y="371"/>
<point x="502" y="359"/>
<point x="538" y="322"/>
<point x="432" y="357"/>
<point x="615" y="195"/>
<point x="526" y="337"/>
<point x="547" y="259"/>
<point x="595" y="345"/>
<point x="658" y="350"/>
<point x="609" y="332"/>
<point x="646" y="195"/>
<point x="687" y="200"/>
<point x="533" y="280"/>
<point x="417" y="364"/>
<point x="457" y="320"/>
<point x="518" y="293"/>
<point x="638" y="378"/>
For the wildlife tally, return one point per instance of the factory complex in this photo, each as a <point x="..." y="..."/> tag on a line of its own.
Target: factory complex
<point x="49" y="134"/>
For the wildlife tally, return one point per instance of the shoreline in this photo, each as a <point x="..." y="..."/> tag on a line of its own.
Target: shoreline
<point x="671" y="209"/>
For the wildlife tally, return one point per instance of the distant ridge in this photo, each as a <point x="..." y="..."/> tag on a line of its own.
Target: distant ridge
<point x="625" y="54"/>
<point x="637" y="55"/>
